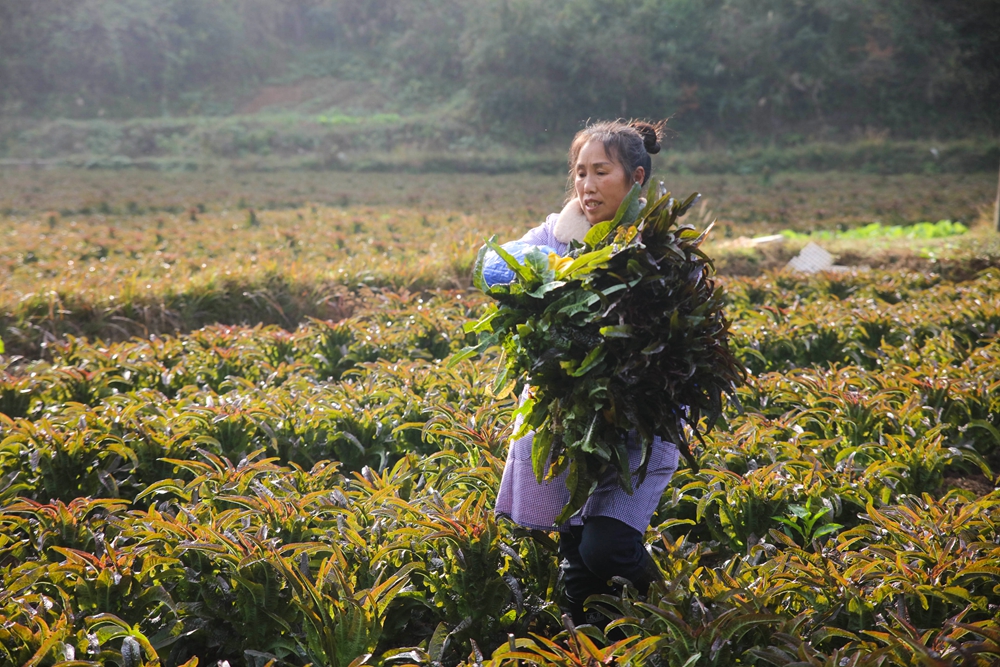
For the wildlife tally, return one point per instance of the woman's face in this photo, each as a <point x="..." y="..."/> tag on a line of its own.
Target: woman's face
<point x="601" y="183"/>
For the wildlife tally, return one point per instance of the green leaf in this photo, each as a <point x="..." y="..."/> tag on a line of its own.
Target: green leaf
<point x="462" y="355"/>
<point x="628" y="210"/>
<point x="635" y="268"/>
<point x="618" y="331"/>
<point x="539" y="263"/>
<point x="500" y="381"/>
<point x="597" y="233"/>
<point x="593" y="358"/>
<point x="573" y="303"/>
<point x="439" y="642"/>
<point x="484" y="323"/>
<point x="580" y="484"/>
<point x="608" y="291"/>
<point x="545" y="288"/>
<point x="524" y="411"/>
<point x="987" y="426"/>
<point x="541" y="447"/>
<point x="692" y="661"/>
<point x="477" y="270"/>
<point x="688" y="203"/>
<point x="588" y="262"/>
<point x="622" y="464"/>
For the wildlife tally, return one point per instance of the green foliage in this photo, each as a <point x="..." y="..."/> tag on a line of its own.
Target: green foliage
<point x="342" y="624"/>
<point x="343" y="119"/>
<point x="737" y="68"/>
<point x="734" y="68"/>
<point x="853" y="320"/>
<point x="625" y="333"/>
<point x="207" y="500"/>
<point x="876" y="230"/>
<point x="807" y="523"/>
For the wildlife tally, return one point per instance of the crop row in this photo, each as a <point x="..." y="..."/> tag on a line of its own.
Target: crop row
<point x="258" y="560"/>
<point x="392" y="328"/>
<point x="866" y="324"/>
<point x="325" y="494"/>
<point x="107" y="275"/>
<point x="778" y="324"/>
<point x="378" y="412"/>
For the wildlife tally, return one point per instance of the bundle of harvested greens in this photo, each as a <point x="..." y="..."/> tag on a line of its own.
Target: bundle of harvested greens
<point x="626" y="332"/>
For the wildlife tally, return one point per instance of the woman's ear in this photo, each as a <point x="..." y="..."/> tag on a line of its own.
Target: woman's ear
<point x="639" y="175"/>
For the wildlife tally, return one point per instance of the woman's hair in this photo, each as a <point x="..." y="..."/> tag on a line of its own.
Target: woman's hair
<point x="629" y="143"/>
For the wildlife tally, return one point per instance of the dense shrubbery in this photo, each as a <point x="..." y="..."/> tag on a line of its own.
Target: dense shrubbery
<point x="429" y="143"/>
<point x="251" y="494"/>
<point x="529" y="67"/>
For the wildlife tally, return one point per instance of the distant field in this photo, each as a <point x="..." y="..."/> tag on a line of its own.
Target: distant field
<point x="132" y="252"/>
<point x="795" y="200"/>
<point x="371" y="141"/>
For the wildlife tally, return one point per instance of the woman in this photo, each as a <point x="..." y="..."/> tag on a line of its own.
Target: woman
<point x="605" y="539"/>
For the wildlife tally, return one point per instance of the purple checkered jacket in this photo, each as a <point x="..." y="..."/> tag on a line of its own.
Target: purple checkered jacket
<point x="544" y="234"/>
<point x="526" y="502"/>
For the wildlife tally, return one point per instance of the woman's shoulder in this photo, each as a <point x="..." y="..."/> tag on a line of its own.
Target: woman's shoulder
<point x="559" y="229"/>
<point x="549" y="223"/>
<point x="544" y="234"/>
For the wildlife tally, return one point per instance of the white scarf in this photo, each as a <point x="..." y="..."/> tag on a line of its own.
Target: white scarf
<point x="572" y="224"/>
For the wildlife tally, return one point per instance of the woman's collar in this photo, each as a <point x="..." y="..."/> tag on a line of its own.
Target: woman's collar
<point x="572" y="224"/>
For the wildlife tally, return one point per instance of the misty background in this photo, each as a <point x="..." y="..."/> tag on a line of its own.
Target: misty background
<point x="331" y="83"/>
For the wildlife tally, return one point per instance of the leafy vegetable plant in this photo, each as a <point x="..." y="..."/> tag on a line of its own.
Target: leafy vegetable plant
<point x="624" y="334"/>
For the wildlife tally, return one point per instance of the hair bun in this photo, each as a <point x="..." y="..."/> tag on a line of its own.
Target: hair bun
<point x="650" y="136"/>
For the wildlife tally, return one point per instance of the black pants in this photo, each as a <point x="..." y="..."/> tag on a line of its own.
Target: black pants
<point x="595" y="552"/>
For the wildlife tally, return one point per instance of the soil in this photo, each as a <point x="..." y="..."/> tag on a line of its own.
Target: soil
<point x="976" y="483"/>
<point x="316" y="96"/>
<point x="274" y="96"/>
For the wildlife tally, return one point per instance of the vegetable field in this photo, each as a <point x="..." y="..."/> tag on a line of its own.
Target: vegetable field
<point x="321" y="491"/>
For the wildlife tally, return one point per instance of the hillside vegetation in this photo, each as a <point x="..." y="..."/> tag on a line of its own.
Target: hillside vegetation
<point x="271" y="142"/>
<point x="523" y="70"/>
